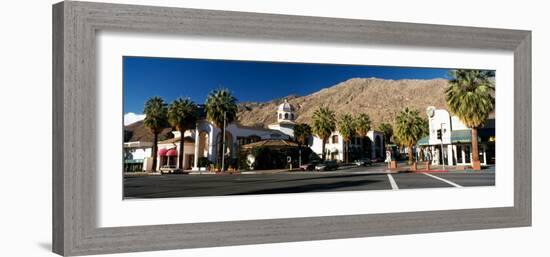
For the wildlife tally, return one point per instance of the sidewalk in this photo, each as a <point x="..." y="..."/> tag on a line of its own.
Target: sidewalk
<point x="452" y="169"/>
<point x="401" y="168"/>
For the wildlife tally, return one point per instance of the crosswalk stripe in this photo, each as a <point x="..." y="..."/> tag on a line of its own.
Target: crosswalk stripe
<point x="442" y="179"/>
<point x="392" y="182"/>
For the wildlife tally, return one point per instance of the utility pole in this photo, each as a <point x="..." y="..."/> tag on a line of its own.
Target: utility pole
<point x="223" y="143"/>
<point x="442" y="152"/>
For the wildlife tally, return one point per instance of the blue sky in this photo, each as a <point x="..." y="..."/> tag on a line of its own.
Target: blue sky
<point x="170" y="78"/>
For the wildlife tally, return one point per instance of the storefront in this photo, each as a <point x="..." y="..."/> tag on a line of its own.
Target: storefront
<point x="450" y="142"/>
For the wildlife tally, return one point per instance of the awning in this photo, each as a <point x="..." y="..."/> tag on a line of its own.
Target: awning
<point x="162" y="152"/>
<point x="457" y="137"/>
<point x="423" y="141"/>
<point x="462" y="136"/>
<point x="172" y="152"/>
<point x="272" y="143"/>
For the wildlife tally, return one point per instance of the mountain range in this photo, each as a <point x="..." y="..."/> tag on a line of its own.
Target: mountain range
<point x="381" y="99"/>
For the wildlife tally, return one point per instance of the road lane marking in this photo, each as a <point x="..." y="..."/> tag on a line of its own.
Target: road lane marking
<point x="442" y="179"/>
<point x="392" y="182"/>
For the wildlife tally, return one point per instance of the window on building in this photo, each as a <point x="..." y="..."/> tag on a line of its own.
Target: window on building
<point x="335" y="139"/>
<point x="241" y="141"/>
<point x="286" y="116"/>
<point x="292" y="116"/>
<point x="253" y="139"/>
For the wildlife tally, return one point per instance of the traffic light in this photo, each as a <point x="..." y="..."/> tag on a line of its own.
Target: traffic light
<point x="439" y="134"/>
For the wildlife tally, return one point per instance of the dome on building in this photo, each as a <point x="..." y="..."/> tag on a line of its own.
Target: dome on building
<point x="285" y="107"/>
<point x="285" y="113"/>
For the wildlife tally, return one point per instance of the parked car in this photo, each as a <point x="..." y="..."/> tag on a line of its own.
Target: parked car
<point x="363" y="162"/>
<point x="378" y="159"/>
<point x="327" y="165"/>
<point x="309" y="166"/>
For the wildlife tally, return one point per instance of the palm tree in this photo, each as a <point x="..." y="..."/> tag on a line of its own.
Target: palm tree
<point x="221" y="109"/>
<point x="346" y="127"/>
<point x="324" y="123"/>
<point x="182" y="115"/>
<point x="155" y="120"/>
<point x="302" y="132"/>
<point x="387" y="129"/>
<point x="362" y="127"/>
<point x="470" y="96"/>
<point x="409" y="128"/>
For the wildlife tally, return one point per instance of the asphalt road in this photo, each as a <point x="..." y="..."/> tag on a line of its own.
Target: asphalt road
<point x="246" y="184"/>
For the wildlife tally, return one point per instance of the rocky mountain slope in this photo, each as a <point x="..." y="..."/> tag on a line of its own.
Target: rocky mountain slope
<point x="380" y="99"/>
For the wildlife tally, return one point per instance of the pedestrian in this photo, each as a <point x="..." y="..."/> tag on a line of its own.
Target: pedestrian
<point x="388" y="158"/>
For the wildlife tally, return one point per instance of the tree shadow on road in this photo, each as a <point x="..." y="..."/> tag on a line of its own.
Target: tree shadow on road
<point x="319" y="187"/>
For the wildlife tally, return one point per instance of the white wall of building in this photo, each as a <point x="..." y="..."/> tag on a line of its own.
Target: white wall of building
<point x="440" y="120"/>
<point x="137" y="150"/>
<point x="316" y="145"/>
<point x="288" y="129"/>
<point x="138" y="153"/>
<point x="373" y="135"/>
<point x="457" y="124"/>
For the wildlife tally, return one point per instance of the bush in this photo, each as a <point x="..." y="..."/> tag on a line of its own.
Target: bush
<point x="203" y="162"/>
<point x="244" y="164"/>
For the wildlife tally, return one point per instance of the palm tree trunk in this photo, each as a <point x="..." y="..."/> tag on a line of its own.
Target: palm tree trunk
<point x="155" y="151"/>
<point x="347" y="151"/>
<point x="180" y="156"/>
<point x="300" y="151"/>
<point x="362" y="147"/>
<point x="475" y="150"/>
<point x="220" y="155"/>
<point x="410" y="154"/>
<point x="323" y="149"/>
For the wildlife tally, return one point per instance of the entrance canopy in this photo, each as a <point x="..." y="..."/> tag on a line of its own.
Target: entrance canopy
<point x="462" y="136"/>
<point x="457" y="137"/>
<point x="271" y="143"/>
<point x="424" y="141"/>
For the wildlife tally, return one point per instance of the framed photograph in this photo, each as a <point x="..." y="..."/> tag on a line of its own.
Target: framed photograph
<point x="182" y="128"/>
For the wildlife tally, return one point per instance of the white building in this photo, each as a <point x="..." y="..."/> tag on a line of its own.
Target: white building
<point x="455" y="140"/>
<point x="334" y="148"/>
<point x="134" y="155"/>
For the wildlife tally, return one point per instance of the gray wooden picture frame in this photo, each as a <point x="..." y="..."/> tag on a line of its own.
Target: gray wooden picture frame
<point x="75" y="25"/>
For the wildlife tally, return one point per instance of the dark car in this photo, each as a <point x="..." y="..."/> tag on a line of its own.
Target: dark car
<point x="327" y="165"/>
<point x="363" y="162"/>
